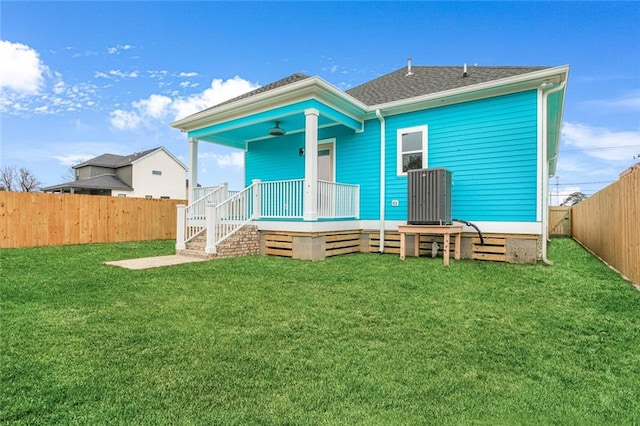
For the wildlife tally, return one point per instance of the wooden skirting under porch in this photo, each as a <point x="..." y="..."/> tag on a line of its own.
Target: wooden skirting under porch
<point x="313" y="246"/>
<point x="512" y="248"/>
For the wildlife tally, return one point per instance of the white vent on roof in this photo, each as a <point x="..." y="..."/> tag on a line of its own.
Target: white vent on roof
<point x="409" y="67"/>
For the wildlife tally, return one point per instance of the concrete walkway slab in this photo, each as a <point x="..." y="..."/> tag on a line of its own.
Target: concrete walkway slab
<point x="154" y="262"/>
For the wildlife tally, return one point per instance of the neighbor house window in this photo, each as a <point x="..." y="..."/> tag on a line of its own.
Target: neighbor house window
<point x="156" y="172"/>
<point x="412" y="149"/>
<point x="148" y="196"/>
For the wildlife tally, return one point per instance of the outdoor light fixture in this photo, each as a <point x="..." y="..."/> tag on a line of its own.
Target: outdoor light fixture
<point x="276" y="131"/>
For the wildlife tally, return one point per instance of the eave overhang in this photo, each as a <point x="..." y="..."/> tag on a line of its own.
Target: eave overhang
<point x="307" y="89"/>
<point x="502" y="86"/>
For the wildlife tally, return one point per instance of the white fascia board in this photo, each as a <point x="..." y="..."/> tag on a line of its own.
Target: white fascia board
<point x="477" y="91"/>
<point x="515" y="228"/>
<point x="309" y="88"/>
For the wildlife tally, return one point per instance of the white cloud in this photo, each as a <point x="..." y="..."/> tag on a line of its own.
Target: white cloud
<point x="21" y="69"/>
<point x="232" y="160"/>
<point x="123" y="120"/>
<point x="188" y="74"/>
<point x="159" y="106"/>
<point x="155" y="106"/>
<point x="600" y="142"/>
<point x="115" y="50"/>
<point x="626" y="102"/>
<point x="122" y="74"/>
<point x="219" y="91"/>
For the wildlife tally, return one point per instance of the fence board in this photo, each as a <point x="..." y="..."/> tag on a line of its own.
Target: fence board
<point x="36" y="219"/>
<point x="608" y="223"/>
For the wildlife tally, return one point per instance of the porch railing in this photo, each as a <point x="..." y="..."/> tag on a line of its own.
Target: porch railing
<point x="282" y="199"/>
<point x="226" y="218"/>
<point x="338" y="200"/>
<point x="223" y="212"/>
<point x="195" y="213"/>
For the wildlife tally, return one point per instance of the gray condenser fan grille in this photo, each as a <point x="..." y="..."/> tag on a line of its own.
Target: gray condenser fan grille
<point x="429" y="197"/>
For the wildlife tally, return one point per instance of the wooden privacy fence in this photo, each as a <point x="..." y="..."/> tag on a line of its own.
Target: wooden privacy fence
<point x="36" y="219"/>
<point x="608" y="223"/>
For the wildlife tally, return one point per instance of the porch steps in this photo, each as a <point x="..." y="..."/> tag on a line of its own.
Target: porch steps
<point x="195" y="248"/>
<point x="245" y="241"/>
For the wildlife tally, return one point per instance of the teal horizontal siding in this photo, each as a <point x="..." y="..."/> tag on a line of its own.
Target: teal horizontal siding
<point x="275" y="159"/>
<point x="489" y="145"/>
<point x="358" y="162"/>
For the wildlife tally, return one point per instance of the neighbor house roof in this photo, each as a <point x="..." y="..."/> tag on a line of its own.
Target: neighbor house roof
<point x="105" y="181"/>
<point x="425" y="80"/>
<point x="114" y="161"/>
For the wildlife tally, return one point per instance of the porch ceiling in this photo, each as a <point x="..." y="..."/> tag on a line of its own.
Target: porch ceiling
<point x="238" y="131"/>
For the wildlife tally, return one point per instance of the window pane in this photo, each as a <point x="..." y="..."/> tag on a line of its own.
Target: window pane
<point x="411" y="161"/>
<point x="412" y="141"/>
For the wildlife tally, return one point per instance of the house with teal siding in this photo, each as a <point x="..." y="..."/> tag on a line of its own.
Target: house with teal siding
<point x="326" y="169"/>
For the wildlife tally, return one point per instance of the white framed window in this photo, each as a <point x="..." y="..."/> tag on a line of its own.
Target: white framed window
<point x="411" y="149"/>
<point x="156" y="172"/>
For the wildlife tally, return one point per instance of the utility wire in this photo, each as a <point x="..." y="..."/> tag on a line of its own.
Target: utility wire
<point x="602" y="148"/>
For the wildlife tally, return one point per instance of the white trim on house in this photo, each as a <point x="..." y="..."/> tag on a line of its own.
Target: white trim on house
<point x="524" y="228"/>
<point x="312" y="87"/>
<point x="539" y="159"/>
<point x="424" y="151"/>
<point x="492" y="88"/>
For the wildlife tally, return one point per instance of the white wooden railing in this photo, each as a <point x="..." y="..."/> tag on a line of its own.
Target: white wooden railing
<point x="224" y="219"/>
<point x="223" y="212"/>
<point x="282" y="199"/>
<point x="194" y="215"/>
<point x="338" y="200"/>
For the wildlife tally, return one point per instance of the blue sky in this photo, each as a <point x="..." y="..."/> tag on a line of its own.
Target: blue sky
<point x="78" y="79"/>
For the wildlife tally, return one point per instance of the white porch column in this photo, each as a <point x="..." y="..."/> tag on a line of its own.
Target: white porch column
<point x="193" y="168"/>
<point x="311" y="164"/>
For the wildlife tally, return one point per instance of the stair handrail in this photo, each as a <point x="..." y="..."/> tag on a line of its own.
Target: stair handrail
<point x="195" y="213"/>
<point x="227" y="217"/>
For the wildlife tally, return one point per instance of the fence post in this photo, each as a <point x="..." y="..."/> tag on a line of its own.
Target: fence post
<point x="211" y="224"/>
<point x="181" y="226"/>
<point x="256" y="198"/>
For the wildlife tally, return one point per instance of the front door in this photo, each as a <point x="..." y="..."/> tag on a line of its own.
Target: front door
<point x="325" y="162"/>
<point x="326" y="176"/>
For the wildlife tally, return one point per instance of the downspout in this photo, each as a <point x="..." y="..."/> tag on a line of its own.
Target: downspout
<point x="545" y="173"/>
<point x="382" y="177"/>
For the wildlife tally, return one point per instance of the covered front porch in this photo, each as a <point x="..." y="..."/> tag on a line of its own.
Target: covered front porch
<point x="288" y="134"/>
<point x="219" y="213"/>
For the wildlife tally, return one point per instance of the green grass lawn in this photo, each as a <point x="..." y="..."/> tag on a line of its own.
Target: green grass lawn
<point x="358" y="339"/>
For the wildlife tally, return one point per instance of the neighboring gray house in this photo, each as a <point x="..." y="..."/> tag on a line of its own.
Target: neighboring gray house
<point x="154" y="173"/>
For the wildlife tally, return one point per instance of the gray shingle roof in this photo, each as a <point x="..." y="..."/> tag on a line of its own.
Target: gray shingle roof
<point x="106" y="181"/>
<point x="114" y="161"/>
<point x="397" y="85"/>
<point x="425" y="80"/>
<point x="282" y="82"/>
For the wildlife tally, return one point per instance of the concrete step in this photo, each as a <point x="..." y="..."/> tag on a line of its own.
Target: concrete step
<point x="200" y="254"/>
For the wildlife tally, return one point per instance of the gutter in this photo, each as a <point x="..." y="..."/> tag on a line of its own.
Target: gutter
<point x="545" y="171"/>
<point x="382" y="177"/>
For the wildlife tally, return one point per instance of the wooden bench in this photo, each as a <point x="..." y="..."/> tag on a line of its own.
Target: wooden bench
<point x="444" y="230"/>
